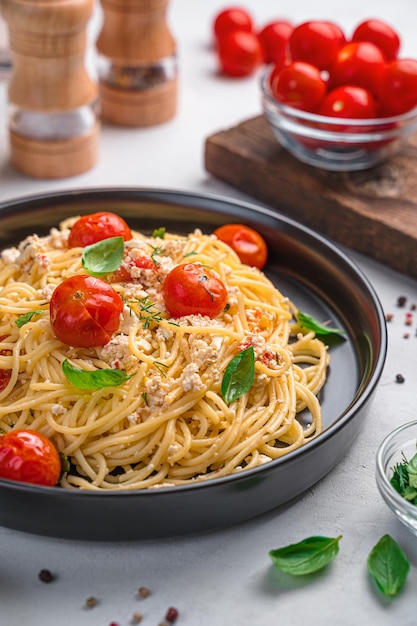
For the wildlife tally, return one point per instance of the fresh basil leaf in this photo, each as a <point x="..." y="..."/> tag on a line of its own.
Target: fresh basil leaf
<point x="96" y="379"/>
<point x="103" y="257"/>
<point x="307" y="556"/>
<point x="26" y="317"/>
<point x="159" y="233"/>
<point x="310" y="323"/>
<point x="388" y="565"/>
<point x="239" y="375"/>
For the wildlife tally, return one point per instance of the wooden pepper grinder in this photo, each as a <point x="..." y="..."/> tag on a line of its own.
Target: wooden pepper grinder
<point x="53" y="102"/>
<point x="137" y="63"/>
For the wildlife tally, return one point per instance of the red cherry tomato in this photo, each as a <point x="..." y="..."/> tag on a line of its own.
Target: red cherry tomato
<point x="299" y="85"/>
<point x="30" y="457"/>
<point x="85" y="311"/>
<point x="398" y="90"/>
<point x="231" y="19"/>
<point x="380" y="34"/>
<point x="274" y="39"/>
<point x="92" y="228"/>
<point x="348" y="101"/>
<point x="358" y="63"/>
<point x="316" y="42"/>
<point x="249" y="245"/>
<point x="191" y="289"/>
<point x="240" y="53"/>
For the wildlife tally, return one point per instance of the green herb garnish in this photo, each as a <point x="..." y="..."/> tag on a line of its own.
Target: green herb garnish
<point x="156" y="251"/>
<point x="160" y="367"/>
<point x="404" y="479"/>
<point x="26" y="317"/>
<point x="103" y="257"/>
<point x="159" y="233"/>
<point x="388" y="565"/>
<point x="239" y="375"/>
<point x="310" y="323"/>
<point x="96" y="379"/>
<point x="147" y="313"/>
<point x="192" y="253"/>
<point x="307" y="556"/>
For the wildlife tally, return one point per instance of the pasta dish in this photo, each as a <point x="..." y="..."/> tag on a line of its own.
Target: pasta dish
<point x="168" y="398"/>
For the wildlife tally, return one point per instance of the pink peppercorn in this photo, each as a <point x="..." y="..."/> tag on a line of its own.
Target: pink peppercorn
<point x="172" y="614"/>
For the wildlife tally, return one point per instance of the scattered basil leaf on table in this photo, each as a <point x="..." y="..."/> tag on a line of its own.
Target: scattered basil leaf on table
<point x="96" y="379"/>
<point x="307" y="556"/>
<point x="103" y="257"/>
<point x="388" y="565"/>
<point x="239" y="375"/>
<point x="26" y="317"/>
<point x="310" y="323"/>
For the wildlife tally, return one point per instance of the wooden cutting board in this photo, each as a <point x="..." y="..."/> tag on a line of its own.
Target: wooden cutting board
<point x="372" y="211"/>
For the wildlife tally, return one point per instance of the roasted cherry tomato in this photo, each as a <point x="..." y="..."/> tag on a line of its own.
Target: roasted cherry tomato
<point x="231" y="19"/>
<point x="240" y="53"/>
<point x="248" y="244"/>
<point x="191" y="289"/>
<point x="358" y="63"/>
<point x="299" y="85"/>
<point x="380" y="34"/>
<point x="398" y="90"/>
<point x="274" y="39"/>
<point x="316" y="42"/>
<point x="85" y="311"/>
<point x="348" y="101"/>
<point x="30" y="457"/>
<point x="92" y="228"/>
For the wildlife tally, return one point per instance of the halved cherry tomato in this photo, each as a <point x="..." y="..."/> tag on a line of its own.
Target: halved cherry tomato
<point x="85" y="311"/>
<point x="274" y="39"/>
<point x="381" y="34"/>
<point x="299" y="85"/>
<point x="358" y="63"/>
<point x="240" y="53"/>
<point x="398" y="89"/>
<point x="124" y="273"/>
<point x="349" y="101"/>
<point x="30" y="457"/>
<point x="248" y="244"/>
<point x="233" y="18"/>
<point x="192" y="289"/>
<point x="95" y="227"/>
<point x="5" y="375"/>
<point x="316" y="42"/>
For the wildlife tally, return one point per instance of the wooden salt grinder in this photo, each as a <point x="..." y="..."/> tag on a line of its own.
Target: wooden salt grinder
<point x="137" y="63"/>
<point x="53" y="102"/>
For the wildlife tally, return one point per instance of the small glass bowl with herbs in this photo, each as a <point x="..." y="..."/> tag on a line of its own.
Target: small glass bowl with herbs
<point x="396" y="473"/>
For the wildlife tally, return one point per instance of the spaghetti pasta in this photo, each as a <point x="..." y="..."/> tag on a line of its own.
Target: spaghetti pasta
<point x="168" y="423"/>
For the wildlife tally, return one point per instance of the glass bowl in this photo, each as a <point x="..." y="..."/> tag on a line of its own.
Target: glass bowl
<point x="399" y="445"/>
<point x="332" y="143"/>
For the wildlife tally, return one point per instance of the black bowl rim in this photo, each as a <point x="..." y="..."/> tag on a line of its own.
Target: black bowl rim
<point x="179" y="196"/>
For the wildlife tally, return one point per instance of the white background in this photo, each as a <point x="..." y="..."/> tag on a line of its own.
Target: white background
<point x="226" y="577"/>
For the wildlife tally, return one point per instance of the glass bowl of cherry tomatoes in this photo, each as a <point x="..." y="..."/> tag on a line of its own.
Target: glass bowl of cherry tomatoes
<point x="341" y="103"/>
<point x="396" y="473"/>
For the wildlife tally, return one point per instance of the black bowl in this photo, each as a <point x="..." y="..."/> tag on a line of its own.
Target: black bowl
<point x="308" y="268"/>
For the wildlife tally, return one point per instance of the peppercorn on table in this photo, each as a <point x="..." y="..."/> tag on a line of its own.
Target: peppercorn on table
<point x="227" y="576"/>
